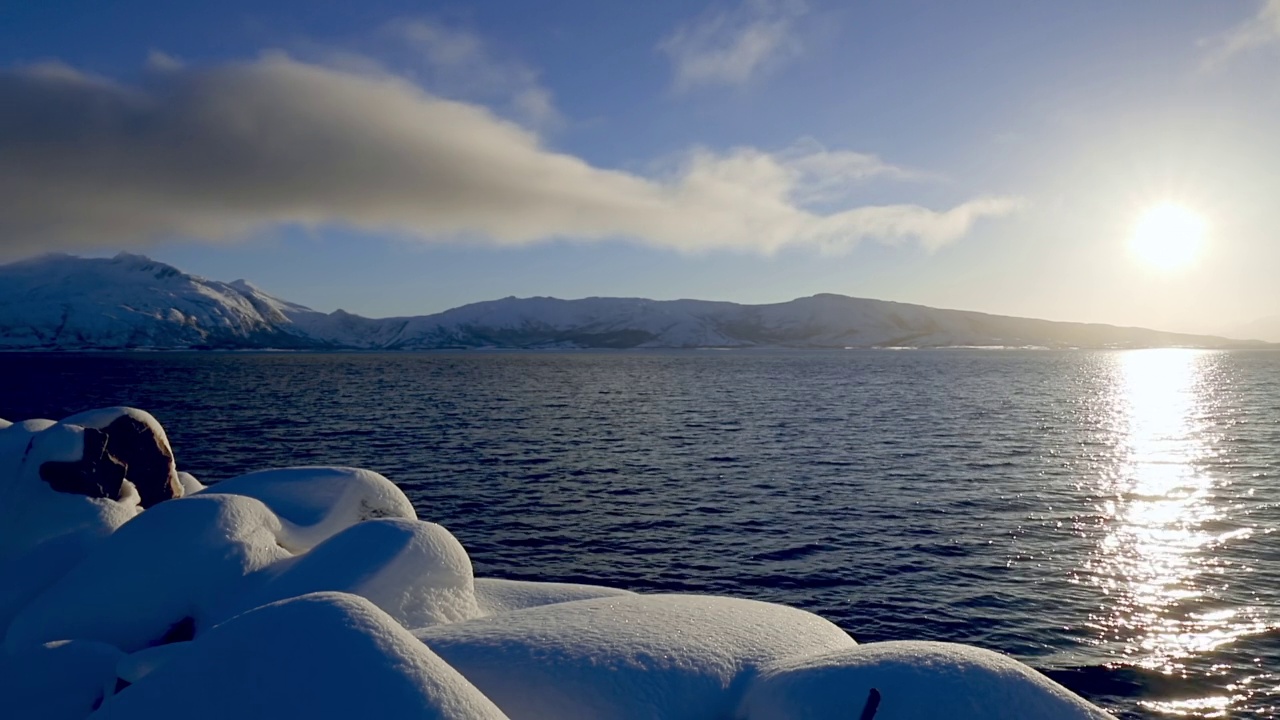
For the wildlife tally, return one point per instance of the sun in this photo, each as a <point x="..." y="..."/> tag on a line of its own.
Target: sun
<point x="1168" y="237"/>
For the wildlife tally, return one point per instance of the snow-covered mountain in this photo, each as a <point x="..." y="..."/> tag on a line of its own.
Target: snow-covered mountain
<point x="131" y="301"/>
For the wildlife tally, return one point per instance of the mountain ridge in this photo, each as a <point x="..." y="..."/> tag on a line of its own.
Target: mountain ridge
<point x="64" y="302"/>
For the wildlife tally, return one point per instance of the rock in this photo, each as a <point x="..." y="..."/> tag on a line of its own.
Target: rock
<point x="58" y="479"/>
<point x="97" y="474"/>
<point x="137" y="440"/>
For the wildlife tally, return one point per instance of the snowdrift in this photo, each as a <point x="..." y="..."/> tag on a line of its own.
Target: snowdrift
<point x="130" y="590"/>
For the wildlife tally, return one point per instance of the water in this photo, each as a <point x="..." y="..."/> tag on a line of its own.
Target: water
<point x="1108" y="517"/>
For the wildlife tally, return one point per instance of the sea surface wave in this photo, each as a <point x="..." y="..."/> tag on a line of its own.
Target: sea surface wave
<point x="1108" y="517"/>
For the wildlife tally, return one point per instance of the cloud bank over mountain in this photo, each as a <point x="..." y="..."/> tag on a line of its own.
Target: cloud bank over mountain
<point x="222" y="151"/>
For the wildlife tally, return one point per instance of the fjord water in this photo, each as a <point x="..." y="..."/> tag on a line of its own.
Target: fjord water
<point x="1111" y="518"/>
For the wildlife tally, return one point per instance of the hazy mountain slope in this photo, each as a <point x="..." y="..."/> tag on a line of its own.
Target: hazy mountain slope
<point x="60" y="301"/>
<point x="1267" y="328"/>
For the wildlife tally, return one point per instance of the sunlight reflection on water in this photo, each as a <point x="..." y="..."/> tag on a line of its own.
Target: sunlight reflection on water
<point x="1156" y="564"/>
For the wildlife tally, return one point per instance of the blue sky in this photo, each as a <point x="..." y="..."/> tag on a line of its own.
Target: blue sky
<point x="402" y="158"/>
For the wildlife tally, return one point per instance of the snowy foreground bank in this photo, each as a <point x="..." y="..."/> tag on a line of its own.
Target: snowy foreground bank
<point x="129" y="590"/>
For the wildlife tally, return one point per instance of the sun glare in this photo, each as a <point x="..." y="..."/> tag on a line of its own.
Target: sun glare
<point x="1168" y="236"/>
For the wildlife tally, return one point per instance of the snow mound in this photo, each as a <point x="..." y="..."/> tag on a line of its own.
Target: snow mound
<point x="57" y="681"/>
<point x="135" y="666"/>
<point x="27" y="576"/>
<point x="317" y="592"/>
<point x="165" y="568"/>
<point x="630" y="656"/>
<point x="190" y="485"/>
<point x="415" y="571"/>
<point x="496" y="595"/>
<point x="325" y="655"/>
<point x="915" y="681"/>
<point x="320" y="501"/>
<point x="32" y="511"/>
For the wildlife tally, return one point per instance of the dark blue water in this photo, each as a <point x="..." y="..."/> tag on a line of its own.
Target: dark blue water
<point x="1108" y="517"/>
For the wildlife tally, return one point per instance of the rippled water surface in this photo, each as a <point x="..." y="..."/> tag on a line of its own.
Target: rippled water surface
<point x="1108" y="517"/>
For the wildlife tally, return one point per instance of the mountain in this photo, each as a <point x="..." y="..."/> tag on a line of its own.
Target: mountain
<point x="131" y="301"/>
<point x="1267" y="328"/>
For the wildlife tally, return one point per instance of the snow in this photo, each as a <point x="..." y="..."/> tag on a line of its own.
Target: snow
<point x="632" y="656"/>
<point x="915" y="680"/>
<point x="133" y="667"/>
<point x="25" y="577"/>
<point x="317" y="592"/>
<point x="495" y="595"/>
<point x="31" y="511"/>
<point x="175" y="561"/>
<point x="59" y="301"/>
<point x="141" y="444"/>
<point x="325" y="655"/>
<point x="320" y="501"/>
<point x="63" y="680"/>
<point x="414" y="571"/>
<point x="190" y="485"/>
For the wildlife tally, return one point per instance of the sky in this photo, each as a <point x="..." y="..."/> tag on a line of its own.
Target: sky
<point x="396" y="158"/>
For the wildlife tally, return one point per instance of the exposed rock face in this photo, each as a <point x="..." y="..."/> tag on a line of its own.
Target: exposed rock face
<point x="135" y="440"/>
<point x="147" y="457"/>
<point x="97" y="473"/>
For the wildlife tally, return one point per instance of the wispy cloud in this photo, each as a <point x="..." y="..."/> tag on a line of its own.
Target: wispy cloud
<point x="824" y="176"/>
<point x="1263" y="28"/>
<point x="450" y="62"/>
<point x="731" y="45"/>
<point x="223" y="152"/>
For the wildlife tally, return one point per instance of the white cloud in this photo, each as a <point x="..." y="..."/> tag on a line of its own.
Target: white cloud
<point x="729" y="46"/>
<point x="223" y="152"/>
<point x="1260" y="30"/>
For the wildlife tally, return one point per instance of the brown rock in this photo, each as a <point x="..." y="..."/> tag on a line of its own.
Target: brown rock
<point x="148" y="459"/>
<point x="96" y="474"/>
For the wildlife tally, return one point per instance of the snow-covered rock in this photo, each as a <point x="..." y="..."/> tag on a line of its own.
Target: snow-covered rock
<point x="63" y="680"/>
<point x="136" y="439"/>
<point x="415" y="571"/>
<point x="167" y="567"/>
<point x="37" y="459"/>
<point x="190" y="485"/>
<point x="316" y="592"/>
<point x="26" y="576"/>
<point x="497" y="595"/>
<point x="320" y="501"/>
<point x="915" y="681"/>
<point x="136" y="665"/>
<point x="326" y="655"/>
<point x="630" y="656"/>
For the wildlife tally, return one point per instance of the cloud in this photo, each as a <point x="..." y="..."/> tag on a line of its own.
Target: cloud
<point x="824" y="176"/>
<point x="459" y="64"/>
<point x="1260" y="30"/>
<point x="223" y="152"/>
<point x="447" y="61"/>
<point x="729" y="46"/>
